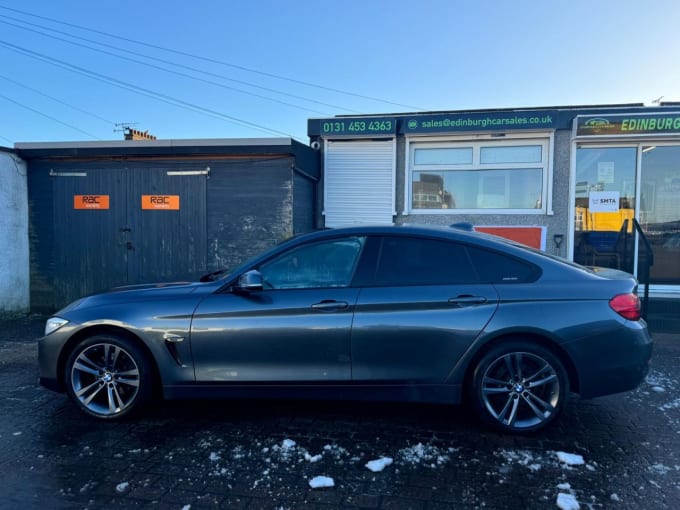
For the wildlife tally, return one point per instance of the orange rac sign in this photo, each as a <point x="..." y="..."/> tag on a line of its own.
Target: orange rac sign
<point x="162" y="202"/>
<point x="90" y="201"/>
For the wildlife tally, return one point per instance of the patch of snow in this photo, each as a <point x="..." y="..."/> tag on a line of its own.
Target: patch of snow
<point x="214" y="457"/>
<point x="570" y="459"/>
<point x="567" y="502"/>
<point x="523" y="457"/>
<point x="186" y="507"/>
<point x="615" y="497"/>
<point x="288" y="443"/>
<point x="658" y="389"/>
<point x="17" y="433"/>
<point x="319" y="482"/>
<point x="312" y="458"/>
<point x="671" y="405"/>
<point x="427" y="455"/>
<point x="336" y="451"/>
<point x="122" y="487"/>
<point x="379" y="464"/>
<point x="660" y="468"/>
<point x="564" y="486"/>
<point x="657" y="378"/>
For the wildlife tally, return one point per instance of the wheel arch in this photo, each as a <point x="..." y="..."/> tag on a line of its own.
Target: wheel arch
<point x="539" y="339"/>
<point x="106" y="329"/>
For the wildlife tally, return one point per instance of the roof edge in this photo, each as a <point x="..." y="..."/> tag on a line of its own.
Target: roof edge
<point x="157" y="144"/>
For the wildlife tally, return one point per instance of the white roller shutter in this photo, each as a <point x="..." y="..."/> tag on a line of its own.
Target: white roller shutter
<point x="359" y="182"/>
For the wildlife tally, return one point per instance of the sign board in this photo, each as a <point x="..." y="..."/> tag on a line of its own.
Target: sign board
<point x="480" y="121"/>
<point x="161" y="202"/>
<point x="628" y="124"/>
<point x="340" y="126"/>
<point x="603" y="201"/>
<point x="605" y="172"/>
<point x="90" y="201"/>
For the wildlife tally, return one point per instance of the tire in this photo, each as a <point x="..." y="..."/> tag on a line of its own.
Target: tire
<point x="519" y="387"/>
<point x="108" y="377"/>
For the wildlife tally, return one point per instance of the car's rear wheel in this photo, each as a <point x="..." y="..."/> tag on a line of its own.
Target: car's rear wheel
<point x="519" y="386"/>
<point x="109" y="377"/>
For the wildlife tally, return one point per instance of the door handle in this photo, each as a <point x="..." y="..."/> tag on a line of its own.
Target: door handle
<point x="467" y="300"/>
<point x="330" y="305"/>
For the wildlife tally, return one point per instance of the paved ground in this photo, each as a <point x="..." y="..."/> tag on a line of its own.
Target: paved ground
<point x="263" y="455"/>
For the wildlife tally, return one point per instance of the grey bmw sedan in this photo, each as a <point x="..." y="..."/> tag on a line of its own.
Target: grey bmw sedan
<point x="401" y="313"/>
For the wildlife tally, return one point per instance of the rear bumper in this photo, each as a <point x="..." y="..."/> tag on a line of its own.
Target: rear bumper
<point x="614" y="362"/>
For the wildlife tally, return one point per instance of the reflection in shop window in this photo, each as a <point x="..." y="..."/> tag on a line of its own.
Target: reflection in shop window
<point x="478" y="176"/>
<point x="518" y="188"/>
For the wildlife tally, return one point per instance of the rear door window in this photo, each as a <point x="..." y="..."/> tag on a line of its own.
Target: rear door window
<point x="495" y="267"/>
<point x="422" y="261"/>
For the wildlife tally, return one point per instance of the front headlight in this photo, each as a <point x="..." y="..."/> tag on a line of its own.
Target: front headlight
<point x="53" y="324"/>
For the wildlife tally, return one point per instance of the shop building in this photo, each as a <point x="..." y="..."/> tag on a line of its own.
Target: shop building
<point x="567" y="180"/>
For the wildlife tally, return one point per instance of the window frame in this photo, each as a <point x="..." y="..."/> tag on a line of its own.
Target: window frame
<point x="544" y="139"/>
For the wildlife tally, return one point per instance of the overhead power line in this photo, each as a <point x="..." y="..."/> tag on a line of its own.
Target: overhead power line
<point x="48" y="116"/>
<point x="175" y="64"/>
<point x="178" y="73"/>
<point x="214" y="61"/>
<point x="56" y="100"/>
<point x="137" y="89"/>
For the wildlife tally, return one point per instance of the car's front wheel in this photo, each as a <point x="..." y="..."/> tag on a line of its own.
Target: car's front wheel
<point x="519" y="386"/>
<point x="109" y="377"/>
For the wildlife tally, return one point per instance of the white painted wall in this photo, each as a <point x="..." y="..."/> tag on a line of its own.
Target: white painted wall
<point x="14" y="260"/>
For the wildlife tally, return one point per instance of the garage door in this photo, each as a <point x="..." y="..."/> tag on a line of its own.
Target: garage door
<point x="126" y="226"/>
<point x="359" y="182"/>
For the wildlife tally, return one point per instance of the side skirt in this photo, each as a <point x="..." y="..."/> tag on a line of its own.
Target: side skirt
<point x="431" y="393"/>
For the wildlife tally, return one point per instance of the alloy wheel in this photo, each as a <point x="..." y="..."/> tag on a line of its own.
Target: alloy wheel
<point x="521" y="390"/>
<point x="105" y="378"/>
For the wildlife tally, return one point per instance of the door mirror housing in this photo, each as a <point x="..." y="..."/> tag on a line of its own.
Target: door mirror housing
<point x="250" y="281"/>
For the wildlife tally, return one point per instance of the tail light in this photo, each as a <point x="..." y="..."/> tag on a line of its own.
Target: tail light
<point x="626" y="305"/>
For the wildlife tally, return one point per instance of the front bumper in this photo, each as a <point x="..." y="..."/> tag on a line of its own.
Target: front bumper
<point x="50" y="363"/>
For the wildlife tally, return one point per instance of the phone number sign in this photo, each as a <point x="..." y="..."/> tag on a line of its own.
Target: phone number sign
<point x="355" y="127"/>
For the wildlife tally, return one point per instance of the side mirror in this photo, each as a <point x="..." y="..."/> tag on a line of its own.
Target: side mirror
<point x="250" y="281"/>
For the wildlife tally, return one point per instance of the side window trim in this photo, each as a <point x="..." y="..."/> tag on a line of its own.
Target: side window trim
<point x="364" y="272"/>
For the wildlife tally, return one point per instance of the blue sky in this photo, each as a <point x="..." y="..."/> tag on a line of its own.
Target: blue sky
<point x="430" y="55"/>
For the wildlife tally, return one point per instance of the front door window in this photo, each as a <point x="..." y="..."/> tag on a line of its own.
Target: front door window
<point x="660" y="210"/>
<point x="605" y="202"/>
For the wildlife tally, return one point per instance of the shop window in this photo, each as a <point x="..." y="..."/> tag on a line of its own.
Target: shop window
<point x="447" y="156"/>
<point x="507" y="177"/>
<point x="515" y="154"/>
